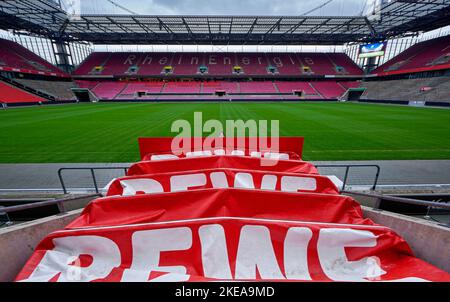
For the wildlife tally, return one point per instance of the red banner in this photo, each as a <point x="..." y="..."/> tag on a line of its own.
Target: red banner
<point x="221" y="178"/>
<point x="207" y="218"/>
<point x="115" y="211"/>
<point x="166" y="145"/>
<point x="217" y="162"/>
<point x="227" y="249"/>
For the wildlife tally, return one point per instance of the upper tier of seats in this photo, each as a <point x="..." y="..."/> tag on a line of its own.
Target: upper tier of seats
<point x="425" y="56"/>
<point x="218" y="64"/>
<point x="14" y="57"/>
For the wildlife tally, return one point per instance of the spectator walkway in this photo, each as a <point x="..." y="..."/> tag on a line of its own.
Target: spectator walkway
<point x="394" y="174"/>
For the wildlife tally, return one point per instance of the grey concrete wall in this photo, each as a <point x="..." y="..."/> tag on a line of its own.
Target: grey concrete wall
<point x="17" y="243"/>
<point x="428" y="240"/>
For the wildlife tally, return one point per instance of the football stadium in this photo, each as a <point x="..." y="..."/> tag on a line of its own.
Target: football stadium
<point x="191" y="141"/>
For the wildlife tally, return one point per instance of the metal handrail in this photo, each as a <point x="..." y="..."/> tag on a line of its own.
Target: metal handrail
<point x="347" y="172"/>
<point x="94" y="178"/>
<point x="92" y="170"/>
<point x="427" y="203"/>
<point x="36" y="205"/>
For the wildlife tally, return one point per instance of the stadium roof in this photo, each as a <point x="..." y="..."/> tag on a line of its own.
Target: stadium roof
<point x="395" y="18"/>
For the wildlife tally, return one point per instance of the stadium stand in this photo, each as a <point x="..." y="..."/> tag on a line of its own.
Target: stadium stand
<point x="291" y="87"/>
<point x="138" y="90"/>
<point x="258" y="87"/>
<point x="220" y="63"/>
<point x="252" y="64"/>
<point x="97" y="59"/>
<point x="285" y="64"/>
<point x="186" y="63"/>
<point x="422" y="89"/>
<point x="182" y="87"/>
<point x="16" y="58"/>
<point x="425" y="56"/>
<point x="60" y="90"/>
<point x="86" y="84"/>
<point x="147" y="87"/>
<point x="343" y="65"/>
<point x="329" y="89"/>
<point x="10" y="95"/>
<point x="349" y="85"/>
<point x="109" y="90"/>
<point x="215" y="86"/>
<point x="319" y="64"/>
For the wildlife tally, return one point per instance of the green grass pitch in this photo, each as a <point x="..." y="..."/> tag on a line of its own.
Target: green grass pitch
<point x="107" y="133"/>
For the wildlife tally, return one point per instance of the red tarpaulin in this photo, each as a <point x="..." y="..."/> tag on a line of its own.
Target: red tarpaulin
<point x="113" y="211"/>
<point x="227" y="249"/>
<point x="224" y="218"/>
<point x="217" y="162"/>
<point x="220" y="178"/>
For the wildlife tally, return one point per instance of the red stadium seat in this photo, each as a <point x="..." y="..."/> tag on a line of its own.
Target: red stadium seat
<point x="329" y="89"/>
<point x="218" y="64"/>
<point x="16" y="58"/>
<point x="10" y="94"/>
<point x="426" y="56"/>
<point x="109" y="90"/>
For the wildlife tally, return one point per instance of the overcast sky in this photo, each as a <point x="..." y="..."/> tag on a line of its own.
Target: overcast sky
<point x="226" y="7"/>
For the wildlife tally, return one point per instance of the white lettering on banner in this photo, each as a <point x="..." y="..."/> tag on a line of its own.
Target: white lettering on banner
<point x="133" y="186"/>
<point x="294" y="184"/>
<point x="198" y="154"/>
<point x="214" y="252"/>
<point x="331" y="249"/>
<point x="237" y="153"/>
<point x="255" y="254"/>
<point x="163" y="157"/>
<point x="244" y="181"/>
<point x="221" y="152"/>
<point x="219" y="181"/>
<point x="147" y="248"/>
<point x="104" y="252"/>
<point x="183" y="183"/>
<point x="212" y="60"/>
<point x="296" y="254"/>
<point x="277" y="156"/>
<point x="269" y="182"/>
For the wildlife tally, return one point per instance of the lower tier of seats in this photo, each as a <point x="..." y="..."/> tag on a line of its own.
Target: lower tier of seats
<point x="427" y="89"/>
<point x="10" y="95"/>
<point x="160" y="90"/>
